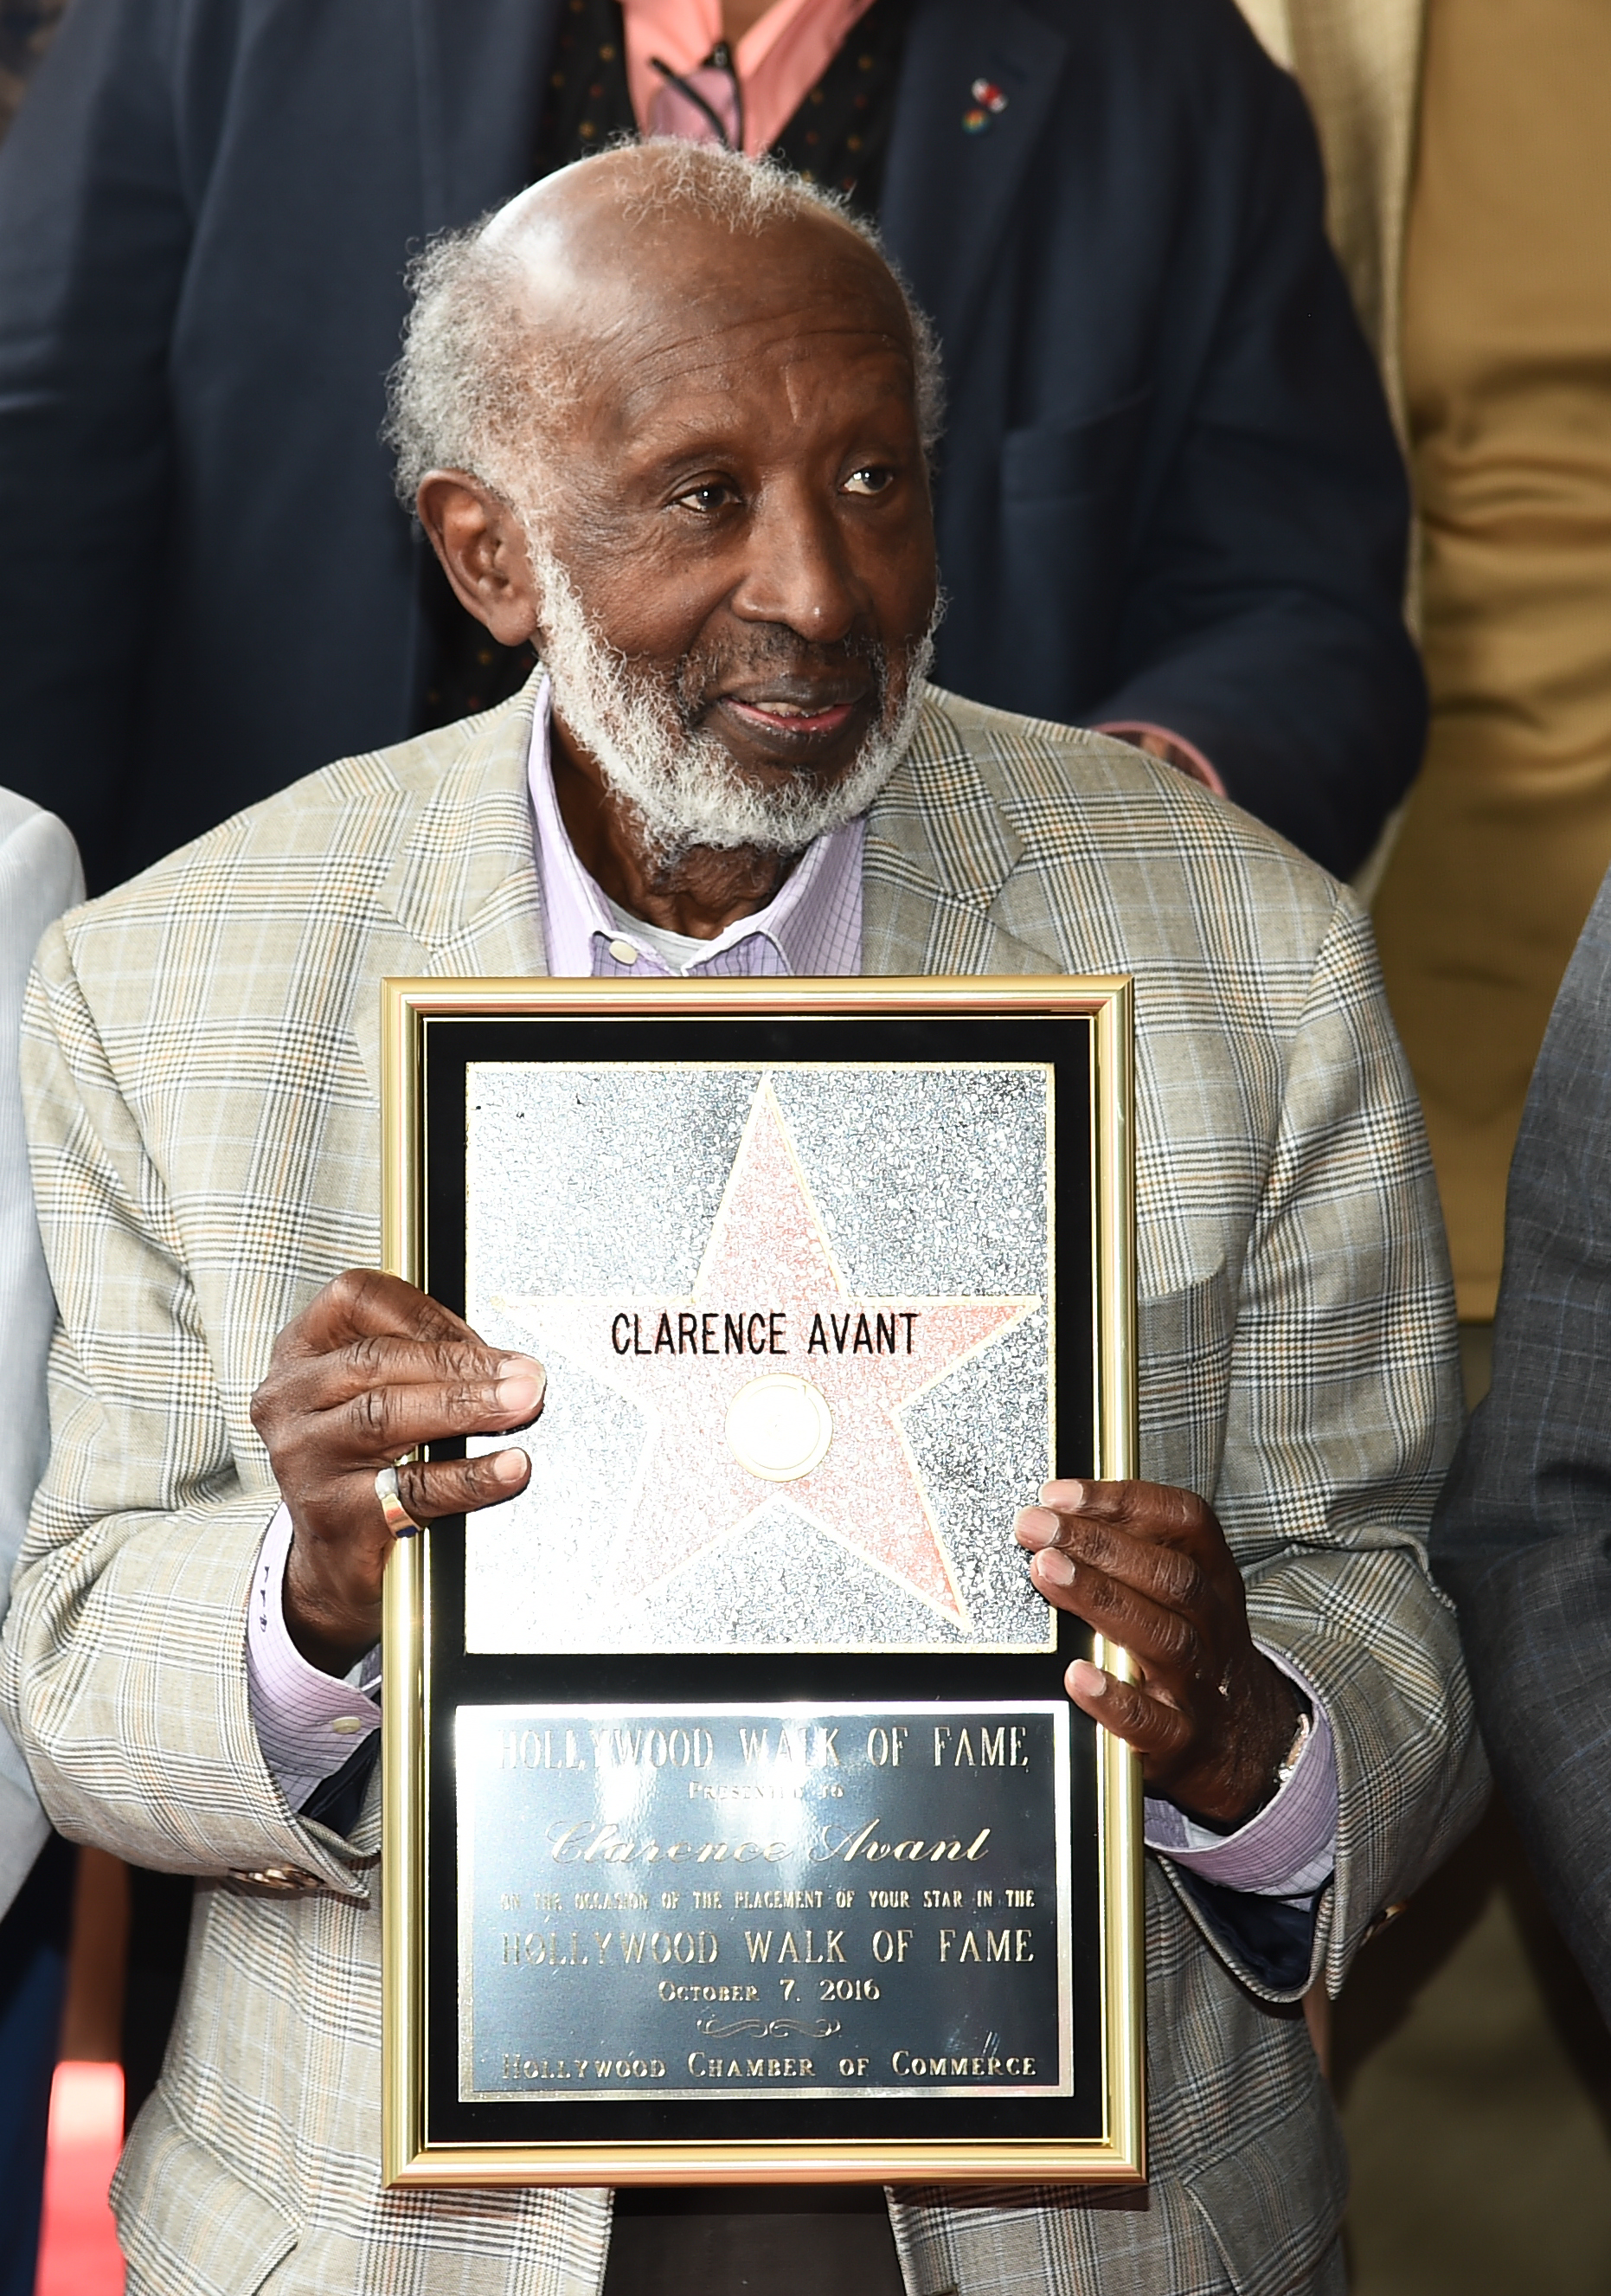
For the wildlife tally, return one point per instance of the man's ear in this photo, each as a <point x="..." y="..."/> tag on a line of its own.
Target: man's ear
<point x="482" y="547"/>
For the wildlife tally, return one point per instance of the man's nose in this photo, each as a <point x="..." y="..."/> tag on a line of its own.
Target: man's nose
<point x="799" y="572"/>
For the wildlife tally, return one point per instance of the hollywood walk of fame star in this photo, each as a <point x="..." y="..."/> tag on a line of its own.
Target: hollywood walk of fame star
<point x="734" y="1428"/>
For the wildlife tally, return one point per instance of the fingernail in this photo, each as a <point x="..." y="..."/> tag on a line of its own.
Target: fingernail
<point x="1034" y="1527"/>
<point x="1066" y="1495"/>
<point x="521" y="1367"/>
<point x="1054" y="1565"/>
<point x="509" y="1467"/>
<point x="521" y="1396"/>
<point x="1088" y="1680"/>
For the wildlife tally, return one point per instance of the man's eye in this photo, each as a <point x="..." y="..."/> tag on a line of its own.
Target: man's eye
<point x="715" y="494"/>
<point x="872" y="478"/>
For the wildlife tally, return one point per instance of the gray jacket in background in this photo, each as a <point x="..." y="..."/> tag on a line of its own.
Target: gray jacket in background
<point x="1521" y="1536"/>
<point x="39" y="877"/>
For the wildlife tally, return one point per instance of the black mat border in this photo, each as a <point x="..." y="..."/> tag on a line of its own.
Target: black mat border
<point x="449" y="1042"/>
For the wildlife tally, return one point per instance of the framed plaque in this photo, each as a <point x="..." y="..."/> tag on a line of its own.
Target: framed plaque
<point x="737" y="1823"/>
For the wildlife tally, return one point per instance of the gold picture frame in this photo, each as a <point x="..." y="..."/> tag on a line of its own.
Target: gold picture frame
<point x="415" y="2151"/>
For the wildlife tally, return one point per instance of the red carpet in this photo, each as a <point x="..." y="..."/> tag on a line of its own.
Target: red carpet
<point x="79" y="2247"/>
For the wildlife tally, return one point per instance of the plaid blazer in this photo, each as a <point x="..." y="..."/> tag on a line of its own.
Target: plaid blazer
<point x="201" y="1058"/>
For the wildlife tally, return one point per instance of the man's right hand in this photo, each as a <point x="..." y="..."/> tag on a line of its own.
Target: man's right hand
<point x="369" y="1370"/>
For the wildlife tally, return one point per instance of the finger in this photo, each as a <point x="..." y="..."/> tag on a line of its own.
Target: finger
<point x="324" y="1383"/>
<point x="1164" y="1575"/>
<point x="1148" y="1724"/>
<point x="1160" y="1512"/>
<point x="365" y="1302"/>
<point x="338" y="1378"/>
<point x="382" y="1422"/>
<point x="460" y="1485"/>
<point x="1035" y="1527"/>
<point x="1165" y="1640"/>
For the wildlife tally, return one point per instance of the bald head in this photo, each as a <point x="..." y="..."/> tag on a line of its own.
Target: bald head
<point x="520" y="319"/>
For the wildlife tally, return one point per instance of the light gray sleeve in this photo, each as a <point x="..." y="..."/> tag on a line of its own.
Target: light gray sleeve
<point x="39" y="877"/>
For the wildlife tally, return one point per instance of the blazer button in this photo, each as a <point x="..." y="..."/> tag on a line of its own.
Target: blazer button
<point x="1385" y="1919"/>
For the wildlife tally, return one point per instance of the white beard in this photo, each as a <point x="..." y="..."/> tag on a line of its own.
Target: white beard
<point x="682" y="784"/>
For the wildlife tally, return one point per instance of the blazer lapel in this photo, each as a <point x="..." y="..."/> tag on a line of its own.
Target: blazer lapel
<point x="463" y="897"/>
<point x="465" y="883"/>
<point x="949" y="194"/>
<point x="940" y="849"/>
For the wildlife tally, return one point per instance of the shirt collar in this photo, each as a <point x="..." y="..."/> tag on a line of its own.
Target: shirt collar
<point x="813" y="927"/>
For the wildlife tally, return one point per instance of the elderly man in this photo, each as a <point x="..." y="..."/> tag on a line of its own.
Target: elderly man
<point x="668" y="416"/>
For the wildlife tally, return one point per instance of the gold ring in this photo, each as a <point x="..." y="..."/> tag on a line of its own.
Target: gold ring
<point x="398" y="1520"/>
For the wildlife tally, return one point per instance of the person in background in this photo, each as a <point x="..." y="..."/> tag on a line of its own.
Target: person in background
<point x="1507" y="335"/>
<point x="1357" y="63"/>
<point x="39" y="877"/>
<point x="1521" y="1535"/>
<point x="1170" y="501"/>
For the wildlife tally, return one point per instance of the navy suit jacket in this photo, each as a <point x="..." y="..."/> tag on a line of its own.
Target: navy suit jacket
<point x="1521" y="1535"/>
<point x="1168" y="490"/>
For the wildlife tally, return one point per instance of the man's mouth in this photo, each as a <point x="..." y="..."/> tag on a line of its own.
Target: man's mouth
<point x="793" y="718"/>
<point x="802" y="714"/>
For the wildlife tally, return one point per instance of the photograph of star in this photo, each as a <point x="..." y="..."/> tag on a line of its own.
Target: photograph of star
<point x="772" y="1372"/>
<point x="777" y="1409"/>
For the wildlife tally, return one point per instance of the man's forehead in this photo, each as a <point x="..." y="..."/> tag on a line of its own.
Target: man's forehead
<point x="670" y="292"/>
<point x="791" y="363"/>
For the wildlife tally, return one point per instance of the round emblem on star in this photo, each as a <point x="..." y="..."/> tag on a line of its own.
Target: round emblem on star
<point x="779" y="1427"/>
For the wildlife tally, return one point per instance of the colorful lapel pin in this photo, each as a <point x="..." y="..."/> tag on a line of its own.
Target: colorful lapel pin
<point x="988" y="99"/>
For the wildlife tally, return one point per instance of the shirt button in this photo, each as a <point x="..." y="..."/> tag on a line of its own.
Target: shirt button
<point x="348" y="1724"/>
<point x="623" y="952"/>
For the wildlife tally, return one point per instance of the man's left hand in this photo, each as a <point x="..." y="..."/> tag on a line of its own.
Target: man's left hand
<point x="1147" y="1567"/>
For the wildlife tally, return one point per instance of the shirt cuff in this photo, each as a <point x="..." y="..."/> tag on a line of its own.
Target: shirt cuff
<point x="1288" y="1849"/>
<point x="1184" y="754"/>
<point x="307" y="1723"/>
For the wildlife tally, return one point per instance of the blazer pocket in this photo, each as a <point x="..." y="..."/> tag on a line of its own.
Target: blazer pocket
<point x="1065" y="460"/>
<point x="1048" y="633"/>
<point x="188" y="2224"/>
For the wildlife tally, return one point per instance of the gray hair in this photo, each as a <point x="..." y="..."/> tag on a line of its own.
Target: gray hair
<point x="473" y="391"/>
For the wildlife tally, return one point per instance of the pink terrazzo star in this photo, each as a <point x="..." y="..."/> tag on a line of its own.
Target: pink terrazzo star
<point x="769" y="1276"/>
